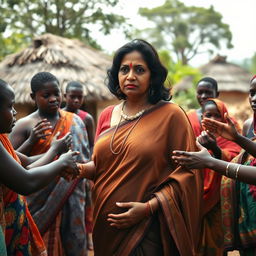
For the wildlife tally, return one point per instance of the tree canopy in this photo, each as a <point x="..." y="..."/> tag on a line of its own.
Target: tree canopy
<point x="186" y="30"/>
<point x="68" y="18"/>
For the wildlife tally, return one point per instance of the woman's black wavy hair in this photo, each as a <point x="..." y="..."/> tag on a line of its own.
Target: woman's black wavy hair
<point x="157" y="90"/>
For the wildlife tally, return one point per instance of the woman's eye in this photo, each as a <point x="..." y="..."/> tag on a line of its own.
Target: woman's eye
<point x="124" y="69"/>
<point x="140" y="70"/>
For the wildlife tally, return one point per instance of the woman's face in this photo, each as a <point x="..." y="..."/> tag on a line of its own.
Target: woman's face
<point x="211" y="111"/>
<point x="7" y="111"/>
<point x="134" y="76"/>
<point x="252" y="95"/>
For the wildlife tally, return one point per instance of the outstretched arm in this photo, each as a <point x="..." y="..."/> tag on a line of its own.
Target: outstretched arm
<point x="87" y="170"/>
<point x="202" y="159"/>
<point x="58" y="146"/>
<point x="208" y="140"/>
<point x="24" y="182"/>
<point x="228" y="131"/>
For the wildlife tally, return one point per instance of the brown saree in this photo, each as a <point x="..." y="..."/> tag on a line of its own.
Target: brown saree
<point x="144" y="169"/>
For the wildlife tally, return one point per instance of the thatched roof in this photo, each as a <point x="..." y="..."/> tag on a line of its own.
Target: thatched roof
<point x="65" y="58"/>
<point x="230" y="77"/>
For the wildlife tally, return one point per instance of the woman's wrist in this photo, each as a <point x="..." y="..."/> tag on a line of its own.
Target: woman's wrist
<point x="82" y="169"/>
<point x="210" y="163"/>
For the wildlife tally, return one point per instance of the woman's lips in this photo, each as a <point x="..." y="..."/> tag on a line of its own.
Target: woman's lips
<point x="130" y="86"/>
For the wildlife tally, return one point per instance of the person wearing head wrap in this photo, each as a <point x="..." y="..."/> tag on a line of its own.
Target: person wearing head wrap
<point x="211" y="242"/>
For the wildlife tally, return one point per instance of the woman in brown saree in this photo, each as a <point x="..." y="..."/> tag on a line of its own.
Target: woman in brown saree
<point x="144" y="203"/>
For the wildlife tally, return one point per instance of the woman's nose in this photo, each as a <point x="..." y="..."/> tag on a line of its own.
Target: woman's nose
<point x="131" y="75"/>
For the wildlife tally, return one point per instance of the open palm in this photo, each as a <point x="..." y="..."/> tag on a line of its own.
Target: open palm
<point x="225" y="130"/>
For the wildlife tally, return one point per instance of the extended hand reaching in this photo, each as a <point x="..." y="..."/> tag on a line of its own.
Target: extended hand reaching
<point x="207" y="139"/>
<point x="62" y="145"/>
<point x="225" y="130"/>
<point x="71" y="170"/>
<point x="192" y="160"/>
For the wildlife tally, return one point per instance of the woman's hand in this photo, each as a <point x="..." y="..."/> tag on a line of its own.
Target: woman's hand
<point x="61" y="145"/>
<point x="193" y="160"/>
<point x="39" y="131"/>
<point x="70" y="169"/>
<point x="207" y="140"/>
<point x="136" y="211"/>
<point x="225" y="130"/>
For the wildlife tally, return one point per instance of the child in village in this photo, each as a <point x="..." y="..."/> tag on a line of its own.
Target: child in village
<point x="58" y="209"/>
<point x="74" y="95"/>
<point x="21" y="234"/>
<point x="212" y="234"/>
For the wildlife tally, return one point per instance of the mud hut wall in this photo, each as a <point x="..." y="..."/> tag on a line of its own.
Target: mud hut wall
<point x="237" y="104"/>
<point x="101" y="105"/>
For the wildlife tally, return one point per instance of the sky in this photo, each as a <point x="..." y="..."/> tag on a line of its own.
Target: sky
<point x="238" y="14"/>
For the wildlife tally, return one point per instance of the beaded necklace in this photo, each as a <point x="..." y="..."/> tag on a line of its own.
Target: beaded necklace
<point x="127" y="118"/>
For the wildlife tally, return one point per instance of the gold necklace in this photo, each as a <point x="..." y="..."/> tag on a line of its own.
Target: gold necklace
<point x="126" y="137"/>
<point x="129" y="118"/>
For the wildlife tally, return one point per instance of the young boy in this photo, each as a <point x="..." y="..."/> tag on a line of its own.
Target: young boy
<point x="74" y="99"/>
<point x="21" y="234"/>
<point x="59" y="209"/>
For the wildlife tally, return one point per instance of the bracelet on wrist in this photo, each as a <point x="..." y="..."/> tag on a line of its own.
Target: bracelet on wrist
<point x="147" y="213"/>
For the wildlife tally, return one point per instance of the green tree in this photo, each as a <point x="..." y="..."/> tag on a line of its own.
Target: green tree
<point x="253" y="64"/>
<point x="11" y="44"/>
<point x="176" y="72"/>
<point x="68" y="18"/>
<point x="186" y="30"/>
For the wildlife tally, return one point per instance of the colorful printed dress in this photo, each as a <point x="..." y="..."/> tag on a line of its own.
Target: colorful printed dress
<point x="59" y="208"/>
<point x="238" y="202"/>
<point x="212" y="232"/>
<point x="22" y="237"/>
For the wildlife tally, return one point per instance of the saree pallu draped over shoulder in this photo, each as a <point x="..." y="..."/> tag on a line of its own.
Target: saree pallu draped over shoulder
<point x="144" y="169"/>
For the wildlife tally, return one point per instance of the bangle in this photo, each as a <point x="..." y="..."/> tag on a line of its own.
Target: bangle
<point x="227" y="170"/>
<point x="151" y="209"/>
<point x="237" y="170"/>
<point x="148" y="209"/>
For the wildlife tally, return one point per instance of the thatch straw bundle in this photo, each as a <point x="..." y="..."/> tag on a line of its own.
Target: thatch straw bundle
<point x="65" y="58"/>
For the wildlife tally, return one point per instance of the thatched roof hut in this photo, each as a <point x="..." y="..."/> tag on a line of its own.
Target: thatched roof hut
<point x="233" y="83"/>
<point x="230" y="77"/>
<point x="67" y="59"/>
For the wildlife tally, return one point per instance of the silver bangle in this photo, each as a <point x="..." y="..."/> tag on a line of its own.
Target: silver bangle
<point x="237" y="170"/>
<point x="227" y="170"/>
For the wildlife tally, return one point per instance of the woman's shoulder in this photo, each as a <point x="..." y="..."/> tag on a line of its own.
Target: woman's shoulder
<point x="107" y="112"/>
<point x="172" y="106"/>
